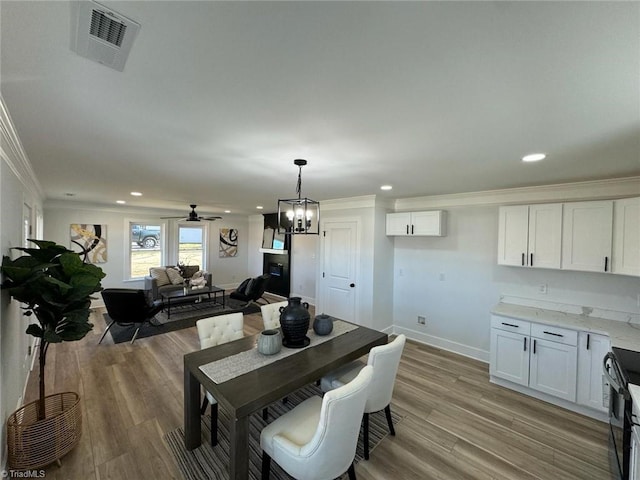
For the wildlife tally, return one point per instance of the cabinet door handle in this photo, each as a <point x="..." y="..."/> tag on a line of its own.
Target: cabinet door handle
<point x="606" y="263"/>
<point x="534" y="346"/>
<point x="554" y="334"/>
<point x="510" y="325"/>
<point x="407" y="229"/>
<point x="411" y="229"/>
<point x="588" y="339"/>
<point x="525" y="344"/>
<point x="531" y="260"/>
<point x="523" y="259"/>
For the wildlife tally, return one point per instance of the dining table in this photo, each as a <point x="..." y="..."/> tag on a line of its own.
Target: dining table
<point x="250" y="392"/>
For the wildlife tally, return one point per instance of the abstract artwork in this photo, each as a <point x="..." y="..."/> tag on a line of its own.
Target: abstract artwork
<point x="90" y="239"/>
<point x="228" y="242"/>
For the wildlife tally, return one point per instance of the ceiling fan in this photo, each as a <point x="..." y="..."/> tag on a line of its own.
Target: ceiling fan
<point x="193" y="216"/>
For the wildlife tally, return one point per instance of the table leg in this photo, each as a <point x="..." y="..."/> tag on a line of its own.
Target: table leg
<point x="239" y="454"/>
<point x="222" y="298"/>
<point x="168" y="308"/>
<point x="192" y="428"/>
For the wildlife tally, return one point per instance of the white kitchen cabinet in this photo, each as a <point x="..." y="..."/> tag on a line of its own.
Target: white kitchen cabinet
<point x="530" y="235"/>
<point x="428" y="223"/>
<point x="587" y="236"/>
<point x="553" y="361"/>
<point x="634" y="455"/>
<point x="509" y="356"/>
<point x="592" y="348"/>
<point x="626" y="236"/>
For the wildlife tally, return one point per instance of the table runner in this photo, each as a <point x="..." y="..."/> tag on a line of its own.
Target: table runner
<point x="230" y="367"/>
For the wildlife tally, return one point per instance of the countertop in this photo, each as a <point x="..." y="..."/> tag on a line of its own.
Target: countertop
<point x="622" y="334"/>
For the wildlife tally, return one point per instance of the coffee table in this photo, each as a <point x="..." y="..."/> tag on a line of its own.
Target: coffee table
<point x="192" y="292"/>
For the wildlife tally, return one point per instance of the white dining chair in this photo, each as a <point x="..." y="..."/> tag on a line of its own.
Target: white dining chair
<point x="317" y="439"/>
<point x="271" y="314"/>
<point x="214" y="331"/>
<point x="385" y="360"/>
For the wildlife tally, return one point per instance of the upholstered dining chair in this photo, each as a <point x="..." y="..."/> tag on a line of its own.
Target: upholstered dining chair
<point x="385" y="360"/>
<point x="271" y="314"/>
<point x="128" y="306"/>
<point x="317" y="439"/>
<point x="214" y="331"/>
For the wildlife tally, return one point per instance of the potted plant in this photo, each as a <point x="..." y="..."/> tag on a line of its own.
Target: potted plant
<point x="55" y="286"/>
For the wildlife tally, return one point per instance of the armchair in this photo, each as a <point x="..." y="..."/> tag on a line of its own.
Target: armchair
<point x="128" y="306"/>
<point x="253" y="289"/>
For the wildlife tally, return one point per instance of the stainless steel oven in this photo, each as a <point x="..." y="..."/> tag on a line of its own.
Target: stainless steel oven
<point x="620" y="368"/>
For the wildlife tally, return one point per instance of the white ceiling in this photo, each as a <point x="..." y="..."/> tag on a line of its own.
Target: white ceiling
<point x="218" y="98"/>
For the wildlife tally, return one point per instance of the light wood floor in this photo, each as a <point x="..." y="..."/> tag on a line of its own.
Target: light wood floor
<point x="457" y="425"/>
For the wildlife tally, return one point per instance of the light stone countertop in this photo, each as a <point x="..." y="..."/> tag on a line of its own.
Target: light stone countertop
<point x="622" y="334"/>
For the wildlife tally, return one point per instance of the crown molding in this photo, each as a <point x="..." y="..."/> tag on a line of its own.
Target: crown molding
<point x="577" y="191"/>
<point x="364" y="201"/>
<point x="13" y="154"/>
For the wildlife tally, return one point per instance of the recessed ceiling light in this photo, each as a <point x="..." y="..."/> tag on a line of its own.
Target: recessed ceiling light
<point x="69" y="194"/>
<point x="121" y="202"/>
<point x="136" y="194"/>
<point x="386" y="187"/>
<point x="259" y="207"/>
<point x="227" y="211"/>
<point x="534" y="157"/>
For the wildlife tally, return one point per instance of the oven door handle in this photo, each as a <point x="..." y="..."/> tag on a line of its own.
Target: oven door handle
<point x="614" y="382"/>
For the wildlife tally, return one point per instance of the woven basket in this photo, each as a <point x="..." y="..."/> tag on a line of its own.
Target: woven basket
<point x="34" y="443"/>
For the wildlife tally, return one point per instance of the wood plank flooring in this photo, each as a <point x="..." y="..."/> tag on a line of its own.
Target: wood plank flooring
<point x="457" y="425"/>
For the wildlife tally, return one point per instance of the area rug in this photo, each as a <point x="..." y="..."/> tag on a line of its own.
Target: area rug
<point x="182" y="316"/>
<point x="207" y="462"/>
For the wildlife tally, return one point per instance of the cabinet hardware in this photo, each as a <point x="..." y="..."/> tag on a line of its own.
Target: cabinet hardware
<point x="510" y="325"/>
<point x="407" y="229"/>
<point x="411" y="229"/>
<point x="531" y="260"/>
<point x="525" y="344"/>
<point x="606" y="263"/>
<point x="554" y="334"/>
<point x="523" y="259"/>
<point x="588" y="339"/>
<point x="534" y="346"/>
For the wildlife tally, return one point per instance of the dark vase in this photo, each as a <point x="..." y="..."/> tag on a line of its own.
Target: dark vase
<point x="323" y="324"/>
<point x="294" y="322"/>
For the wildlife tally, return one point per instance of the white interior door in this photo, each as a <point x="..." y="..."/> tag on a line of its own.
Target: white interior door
<point x="339" y="262"/>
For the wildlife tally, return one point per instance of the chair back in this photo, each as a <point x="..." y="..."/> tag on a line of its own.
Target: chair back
<point x="333" y="446"/>
<point x="385" y="360"/>
<point x="213" y="331"/>
<point x="271" y="314"/>
<point x="257" y="287"/>
<point x="127" y="305"/>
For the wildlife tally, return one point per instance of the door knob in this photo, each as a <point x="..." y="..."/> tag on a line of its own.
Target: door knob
<point x="352" y="285"/>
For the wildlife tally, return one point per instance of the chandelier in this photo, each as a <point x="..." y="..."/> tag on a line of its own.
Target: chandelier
<point x="299" y="215"/>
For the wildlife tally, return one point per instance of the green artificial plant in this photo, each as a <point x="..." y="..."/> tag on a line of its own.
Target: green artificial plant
<point x="55" y="286"/>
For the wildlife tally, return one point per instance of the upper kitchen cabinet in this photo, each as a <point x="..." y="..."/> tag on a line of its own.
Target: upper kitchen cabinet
<point x="429" y="223"/>
<point x="626" y="237"/>
<point x="530" y="235"/>
<point x="587" y="236"/>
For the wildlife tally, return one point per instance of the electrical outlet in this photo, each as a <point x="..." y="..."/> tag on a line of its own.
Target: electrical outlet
<point x="422" y="320"/>
<point x="542" y="289"/>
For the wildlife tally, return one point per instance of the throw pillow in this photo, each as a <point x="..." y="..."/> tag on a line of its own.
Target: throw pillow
<point x="189" y="270"/>
<point x="160" y="275"/>
<point x="174" y="276"/>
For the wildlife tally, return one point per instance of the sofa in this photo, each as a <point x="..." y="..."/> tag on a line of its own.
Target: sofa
<point x="170" y="278"/>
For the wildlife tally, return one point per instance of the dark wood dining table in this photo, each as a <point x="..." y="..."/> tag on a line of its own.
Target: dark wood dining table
<point x="251" y="392"/>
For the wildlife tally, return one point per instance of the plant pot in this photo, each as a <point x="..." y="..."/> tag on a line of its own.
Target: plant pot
<point x="294" y="322"/>
<point x="270" y="342"/>
<point x="34" y="443"/>
<point x="323" y="324"/>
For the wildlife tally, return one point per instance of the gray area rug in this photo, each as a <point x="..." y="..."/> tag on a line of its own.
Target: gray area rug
<point x="182" y="316"/>
<point x="206" y="462"/>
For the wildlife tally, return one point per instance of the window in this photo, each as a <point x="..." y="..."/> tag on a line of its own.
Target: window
<point x="191" y="246"/>
<point x="145" y="248"/>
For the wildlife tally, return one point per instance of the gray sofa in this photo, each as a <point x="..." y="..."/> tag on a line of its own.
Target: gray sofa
<point x="154" y="292"/>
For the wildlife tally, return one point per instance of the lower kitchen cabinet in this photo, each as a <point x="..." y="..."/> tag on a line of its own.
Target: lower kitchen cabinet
<point x="553" y="368"/>
<point x="592" y="348"/>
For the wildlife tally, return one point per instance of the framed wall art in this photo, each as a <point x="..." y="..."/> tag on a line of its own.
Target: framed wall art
<point x="90" y="239"/>
<point x="228" y="242"/>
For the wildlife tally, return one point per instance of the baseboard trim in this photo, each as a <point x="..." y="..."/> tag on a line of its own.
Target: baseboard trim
<point x="443" y="343"/>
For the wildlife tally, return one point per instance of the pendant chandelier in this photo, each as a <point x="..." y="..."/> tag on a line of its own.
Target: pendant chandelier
<point x="299" y="216"/>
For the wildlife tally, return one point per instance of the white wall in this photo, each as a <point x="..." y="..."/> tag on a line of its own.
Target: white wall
<point x="455" y="280"/>
<point x="304" y="264"/>
<point x="18" y="187"/>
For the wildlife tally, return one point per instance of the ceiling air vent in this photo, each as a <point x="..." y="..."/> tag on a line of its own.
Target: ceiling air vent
<point x="102" y="35"/>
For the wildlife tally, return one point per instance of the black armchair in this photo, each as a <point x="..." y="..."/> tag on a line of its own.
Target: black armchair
<point x="128" y="307"/>
<point x="253" y="289"/>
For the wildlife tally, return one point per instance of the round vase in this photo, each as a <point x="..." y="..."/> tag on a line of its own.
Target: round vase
<point x="294" y="322"/>
<point x="323" y="324"/>
<point x="269" y="342"/>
